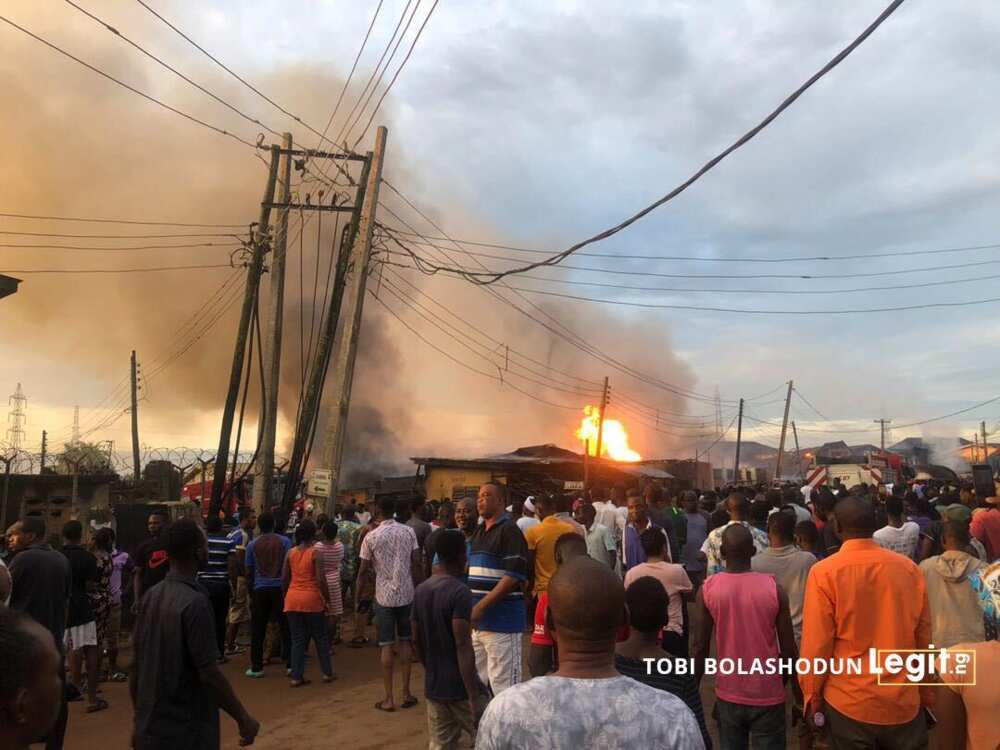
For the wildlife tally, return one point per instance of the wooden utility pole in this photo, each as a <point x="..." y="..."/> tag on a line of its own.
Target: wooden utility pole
<point x="268" y="423"/>
<point x="249" y="299"/>
<point x="347" y="344"/>
<point x="135" y="422"/>
<point x="45" y="451"/>
<point x="739" y="440"/>
<point x="986" y="445"/>
<point x="600" y="420"/>
<point x="975" y="448"/>
<point x="586" y="467"/>
<point x="784" y="430"/>
<point x="882" y="423"/>
<point x="304" y="431"/>
<point x="798" y="451"/>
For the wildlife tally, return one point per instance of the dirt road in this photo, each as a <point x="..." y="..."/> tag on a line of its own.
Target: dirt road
<point x="340" y="714"/>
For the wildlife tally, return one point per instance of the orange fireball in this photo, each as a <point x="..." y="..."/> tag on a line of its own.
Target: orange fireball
<point x="614" y="439"/>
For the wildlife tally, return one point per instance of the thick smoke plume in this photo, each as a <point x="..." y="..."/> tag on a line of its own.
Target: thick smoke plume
<point x="85" y="147"/>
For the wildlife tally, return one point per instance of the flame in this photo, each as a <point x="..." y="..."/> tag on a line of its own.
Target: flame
<point x="614" y="439"/>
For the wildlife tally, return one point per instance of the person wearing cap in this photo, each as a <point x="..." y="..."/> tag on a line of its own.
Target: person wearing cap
<point x="528" y="518"/>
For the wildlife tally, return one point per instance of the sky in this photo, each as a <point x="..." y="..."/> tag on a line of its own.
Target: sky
<point x="537" y="125"/>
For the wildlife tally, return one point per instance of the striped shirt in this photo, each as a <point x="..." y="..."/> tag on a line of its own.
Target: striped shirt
<point x="495" y="552"/>
<point x="220" y="547"/>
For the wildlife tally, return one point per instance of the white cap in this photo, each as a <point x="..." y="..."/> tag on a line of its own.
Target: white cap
<point x="529" y="505"/>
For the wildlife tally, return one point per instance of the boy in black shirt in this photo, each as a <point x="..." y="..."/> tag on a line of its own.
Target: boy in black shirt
<point x="442" y="639"/>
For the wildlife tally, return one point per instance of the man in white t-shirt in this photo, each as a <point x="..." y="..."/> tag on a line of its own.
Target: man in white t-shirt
<point x="898" y="536"/>
<point x="580" y="706"/>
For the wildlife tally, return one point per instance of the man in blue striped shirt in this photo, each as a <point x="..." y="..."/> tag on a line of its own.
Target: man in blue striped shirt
<point x="218" y="574"/>
<point x="498" y="571"/>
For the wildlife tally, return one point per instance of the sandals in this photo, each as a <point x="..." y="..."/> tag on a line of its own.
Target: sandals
<point x="99" y="705"/>
<point x="380" y="707"/>
<point x="408" y="702"/>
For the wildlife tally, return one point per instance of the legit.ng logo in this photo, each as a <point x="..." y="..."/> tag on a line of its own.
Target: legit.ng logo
<point x="923" y="666"/>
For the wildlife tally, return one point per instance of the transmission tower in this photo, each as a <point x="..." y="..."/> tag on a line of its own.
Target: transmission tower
<point x="76" y="426"/>
<point x="16" y="418"/>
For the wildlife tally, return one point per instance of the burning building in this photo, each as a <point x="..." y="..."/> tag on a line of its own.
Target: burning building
<point x="530" y="470"/>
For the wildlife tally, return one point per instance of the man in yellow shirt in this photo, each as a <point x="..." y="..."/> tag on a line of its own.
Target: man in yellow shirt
<point x="541" y="540"/>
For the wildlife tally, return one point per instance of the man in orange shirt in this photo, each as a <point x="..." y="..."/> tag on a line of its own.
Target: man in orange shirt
<point x="864" y="597"/>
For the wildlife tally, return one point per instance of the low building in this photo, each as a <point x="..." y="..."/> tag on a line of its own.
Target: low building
<point x="528" y="471"/>
<point x="51" y="497"/>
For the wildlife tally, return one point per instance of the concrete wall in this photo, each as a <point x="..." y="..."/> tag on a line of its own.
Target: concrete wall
<point x="50" y="497"/>
<point x="442" y="482"/>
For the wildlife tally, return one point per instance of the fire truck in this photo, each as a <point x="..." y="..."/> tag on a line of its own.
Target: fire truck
<point x="881" y="467"/>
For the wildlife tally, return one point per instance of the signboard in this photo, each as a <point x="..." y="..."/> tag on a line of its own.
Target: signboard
<point x="319" y="482"/>
<point x="572" y="485"/>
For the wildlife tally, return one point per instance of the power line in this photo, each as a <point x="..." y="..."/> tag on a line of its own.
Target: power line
<point x="167" y="66"/>
<point x="119" y="236"/>
<point x="431" y="269"/>
<point x="399" y="70"/>
<point x="741" y="311"/>
<point x="743" y="291"/>
<point x="497" y="342"/>
<point x="492" y="278"/>
<point x="707" y="259"/>
<point x="117" y="270"/>
<point x="559" y="329"/>
<point x="234" y="74"/>
<point x="120" y="221"/>
<point x="465" y="365"/>
<point x="126" y="86"/>
<point x="345" y="130"/>
<point x="436" y="322"/>
<point x="808" y="403"/>
<point x="354" y="67"/>
<point x="125" y="248"/>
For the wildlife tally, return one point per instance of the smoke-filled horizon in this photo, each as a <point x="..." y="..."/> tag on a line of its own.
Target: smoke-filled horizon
<point x="89" y="149"/>
<point x="531" y="127"/>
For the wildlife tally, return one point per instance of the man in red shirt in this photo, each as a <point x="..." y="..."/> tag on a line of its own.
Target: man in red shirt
<point x="542" y="653"/>
<point x="985" y="527"/>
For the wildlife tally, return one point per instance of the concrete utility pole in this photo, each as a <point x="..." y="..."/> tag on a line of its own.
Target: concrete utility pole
<point x="739" y="440"/>
<point x="600" y="420"/>
<point x="135" y="422"/>
<point x="882" y="423"/>
<point x="798" y="452"/>
<point x="305" y="429"/>
<point x="986" y="446"/>
<point x="264" y="471"/>
<point x="249" y="298"/>
<point x="347" y="345"/>
<point x="784" y="430"/>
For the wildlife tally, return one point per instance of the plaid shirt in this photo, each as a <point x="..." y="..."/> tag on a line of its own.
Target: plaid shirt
<point x="713" y="546"/>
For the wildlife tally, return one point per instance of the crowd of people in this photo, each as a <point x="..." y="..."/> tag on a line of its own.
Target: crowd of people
<point x="616" y="601"/>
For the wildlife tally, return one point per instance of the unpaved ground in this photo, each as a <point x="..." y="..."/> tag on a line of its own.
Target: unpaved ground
<point x="340" y="714"/>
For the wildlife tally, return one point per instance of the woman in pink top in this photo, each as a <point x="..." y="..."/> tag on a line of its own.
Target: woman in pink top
<point x="749" y="613"/>
<point x="675" y="581"/>
<point x="306" y="594"/>
<point x="332" y="552"/>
